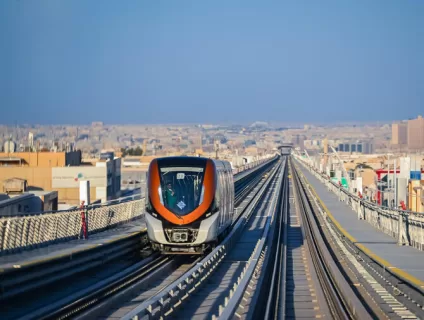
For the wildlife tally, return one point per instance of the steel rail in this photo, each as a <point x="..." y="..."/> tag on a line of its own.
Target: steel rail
<point x="125" y="292"/>
<point x="342" y="301"/>
<point x="276" y="296"/>
<point x="101" y="290"/>
<point x="177" y="292"/>
<point x="229" y="309"/>
<point x="27" y="278"/>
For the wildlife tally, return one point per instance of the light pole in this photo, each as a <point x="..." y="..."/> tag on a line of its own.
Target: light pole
<point x="395" y="182"/>
<point x="388" y="176"/>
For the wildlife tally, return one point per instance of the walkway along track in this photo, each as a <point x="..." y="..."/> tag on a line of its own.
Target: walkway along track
<point x="200" y="292"/>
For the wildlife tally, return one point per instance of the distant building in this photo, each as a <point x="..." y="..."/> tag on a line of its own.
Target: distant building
<point x="364" y="147"/>
<point x="298" y="140"/>
<point x="31" y="202"/>
<point x="367" y="147"/>
<point x="105" y="181"/>
<point x="107" y="155"/>
<point x="416" y="134"/>
<point x="251" y="150"/>
<point x="399" y="134"/>
<point x="61" y="172"/>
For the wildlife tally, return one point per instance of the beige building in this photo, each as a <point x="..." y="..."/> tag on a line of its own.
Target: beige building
<point x="35" y="167"/>
<point x="25" y="203"/>
<point x="61" y="172"/>
<point x="416" y="134"/>
<point x="399" y="134"/>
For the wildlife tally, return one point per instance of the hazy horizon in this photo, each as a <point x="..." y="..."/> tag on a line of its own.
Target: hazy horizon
<point x="235" y="123"/>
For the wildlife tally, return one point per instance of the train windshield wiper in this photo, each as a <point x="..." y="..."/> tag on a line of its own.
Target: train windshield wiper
<point x="178" y="216"/>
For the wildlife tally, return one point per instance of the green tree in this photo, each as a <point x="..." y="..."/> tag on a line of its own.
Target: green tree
<point x="132" y="152"/>
<point x="138" y="151"/>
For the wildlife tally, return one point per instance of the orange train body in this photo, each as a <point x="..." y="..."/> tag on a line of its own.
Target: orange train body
<point x="189" y="203"/>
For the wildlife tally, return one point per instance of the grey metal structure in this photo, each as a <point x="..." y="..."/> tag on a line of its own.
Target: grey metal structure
<point x="285" y="149"/>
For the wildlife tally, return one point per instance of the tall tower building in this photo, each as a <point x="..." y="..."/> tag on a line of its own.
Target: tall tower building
<point x="31" y="141"/>
<point x="399" y="134"/>
<point x="416" y="134"/>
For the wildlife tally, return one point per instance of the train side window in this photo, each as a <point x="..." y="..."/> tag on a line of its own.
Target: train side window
<point x="226" y="196"/>
<point x="229" y="193"/>
<point x="227" y="199"/>
<point x="224" y="199"/>
<point x="227" y="182"/>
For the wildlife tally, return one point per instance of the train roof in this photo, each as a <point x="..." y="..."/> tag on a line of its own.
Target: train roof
<point x="182" y="160"/>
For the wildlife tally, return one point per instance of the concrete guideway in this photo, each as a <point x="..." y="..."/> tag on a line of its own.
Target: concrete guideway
<point x="68" y="249"/>
<point x="408" y="261"/>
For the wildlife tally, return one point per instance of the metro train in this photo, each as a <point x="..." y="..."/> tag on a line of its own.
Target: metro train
<point x="189" y="203"/>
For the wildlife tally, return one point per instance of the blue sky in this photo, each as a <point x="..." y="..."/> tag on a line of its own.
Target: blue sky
<point x="215" y="61"/>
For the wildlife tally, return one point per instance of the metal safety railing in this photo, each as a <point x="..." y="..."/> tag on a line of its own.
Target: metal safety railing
<point x="26" y="232"/>
<point x="250" y="165"/>
<point x="405" y="226"/>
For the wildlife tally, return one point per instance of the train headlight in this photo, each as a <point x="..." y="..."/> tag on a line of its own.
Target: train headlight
<point x="202" y="194"/>
<point x="160" y="195"/>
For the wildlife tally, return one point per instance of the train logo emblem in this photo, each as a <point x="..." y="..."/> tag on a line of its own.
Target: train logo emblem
<point x="181" y="205"/>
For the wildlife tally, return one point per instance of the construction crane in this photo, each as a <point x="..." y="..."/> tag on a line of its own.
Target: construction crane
<point x="343" y="168"/>
<point x="307" y="155"/>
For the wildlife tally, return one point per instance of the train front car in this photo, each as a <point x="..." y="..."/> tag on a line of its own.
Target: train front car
<point x="188" y="203"/>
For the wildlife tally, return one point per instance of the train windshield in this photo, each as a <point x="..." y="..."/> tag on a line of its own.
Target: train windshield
<point x="181" y="188"/>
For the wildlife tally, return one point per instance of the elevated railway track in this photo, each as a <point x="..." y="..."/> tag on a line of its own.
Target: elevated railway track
<point x="282" y="259"/>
